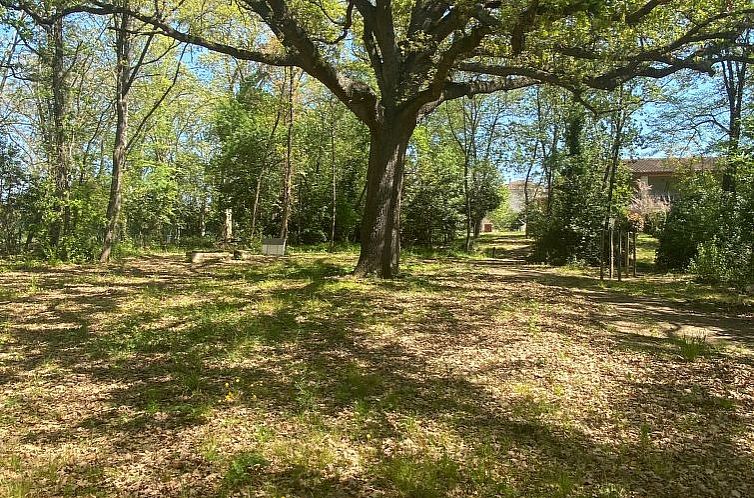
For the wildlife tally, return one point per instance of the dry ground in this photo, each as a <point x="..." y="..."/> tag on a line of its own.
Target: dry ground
<point x="473" y="377"/>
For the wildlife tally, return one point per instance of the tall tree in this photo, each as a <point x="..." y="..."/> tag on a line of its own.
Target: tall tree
<point x="59" y="150"/>
<point x="475" y="135"/>
<point x="424" y="53"/>
<point x="124" y="75"/>
<point x="288" y="163"/>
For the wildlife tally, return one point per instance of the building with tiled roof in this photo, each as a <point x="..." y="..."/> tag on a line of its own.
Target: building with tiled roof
<point x="517" y="198"/>
<point x="660" y="173"/>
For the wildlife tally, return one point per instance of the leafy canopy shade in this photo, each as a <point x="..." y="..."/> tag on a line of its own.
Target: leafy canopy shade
<point x="390" y="62"/>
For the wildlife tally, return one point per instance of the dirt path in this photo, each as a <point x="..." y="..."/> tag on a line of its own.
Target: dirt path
<point x="650" y="303"/>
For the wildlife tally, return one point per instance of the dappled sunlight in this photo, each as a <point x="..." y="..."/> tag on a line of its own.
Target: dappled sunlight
<point x="289" y="377"/>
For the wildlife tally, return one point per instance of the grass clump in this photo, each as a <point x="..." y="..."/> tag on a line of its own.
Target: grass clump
<point x="242" y="469"/>
<point x="422" y="477"/>
<point x="693" y="347"/>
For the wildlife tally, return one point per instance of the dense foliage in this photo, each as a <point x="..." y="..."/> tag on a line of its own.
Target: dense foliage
<point x="117" y="127"/>
<point x="583" y="193"/>
<point x="710" y="231"/>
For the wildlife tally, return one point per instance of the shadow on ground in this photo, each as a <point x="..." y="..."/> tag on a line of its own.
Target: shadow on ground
<point x="483" y="378"/>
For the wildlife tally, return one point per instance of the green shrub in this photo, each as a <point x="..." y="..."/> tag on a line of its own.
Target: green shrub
<point x="654" y="223"/>
<point x="198" y="242"/>
<point x="572" y="231"/>
<point x="709" y="230"/>
<point x="693" y="218"/>
<point x="720" y="262"/>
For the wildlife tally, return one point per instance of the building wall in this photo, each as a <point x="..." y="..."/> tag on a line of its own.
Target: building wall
<point x="661" y="185"/>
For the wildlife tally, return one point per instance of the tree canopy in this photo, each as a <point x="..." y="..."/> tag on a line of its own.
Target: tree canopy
<point x="393" y="62"/>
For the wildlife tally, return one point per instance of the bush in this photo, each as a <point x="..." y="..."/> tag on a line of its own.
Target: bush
<point x="710" y="231"/>
<point x="693" y="219"/>
<point x="654" y="223"/>
<point x="572" y="232"/>
<point x="653" y="212"/>
<point x="720" y="262"/>
<point x="198" y="242"/>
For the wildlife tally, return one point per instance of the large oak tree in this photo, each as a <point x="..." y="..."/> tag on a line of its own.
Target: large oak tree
<point x="392" y="62"/>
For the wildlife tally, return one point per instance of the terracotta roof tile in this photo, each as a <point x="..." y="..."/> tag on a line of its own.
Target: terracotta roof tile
<point x="669" y="165"/>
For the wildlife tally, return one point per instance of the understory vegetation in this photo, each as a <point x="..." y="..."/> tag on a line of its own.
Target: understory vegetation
<point x="710" y="231"/>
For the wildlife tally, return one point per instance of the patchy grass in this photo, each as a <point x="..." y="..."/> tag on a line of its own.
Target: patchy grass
<point x="467" y="376"/>
<point x="693" y="347"/>
<point x="646" y="250"/>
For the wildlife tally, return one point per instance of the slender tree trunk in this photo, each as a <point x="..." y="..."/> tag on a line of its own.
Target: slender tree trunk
<point x="29" y="240"/>
<point x="526" y="198"/>
<point x="467" y="199"/>
<point x="60" y="227"/>
<point x="477" y="227"/>
<point x="334" y="189"/>
<point x="620" y="118"/>
<point x="203" y="216"/>
<point x="265" y="159"/>
<point x="288" y="173"/>
<point x="255" y="205"/>
<point x="123" y="75"/>
<point x="734" y="79"/>
<point x="549" y="161"/>
<point x="380" y="232"/>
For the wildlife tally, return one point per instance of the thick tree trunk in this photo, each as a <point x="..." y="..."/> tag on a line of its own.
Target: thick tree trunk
<point x="380" y="228"/>
<point x="123" y="76"/>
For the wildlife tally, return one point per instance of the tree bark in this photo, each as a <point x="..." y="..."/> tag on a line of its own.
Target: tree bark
<point x="467" y="201"/>
<point x="255" y="204"/>
<point x="59" y="227"/>
<point x="380" y="231"/>
<point x="734" y="79"/>
<point x="123" y="75"/>
<point x="288" y="173"/>
<point x="334" y="189"/>
<point x="526" y="195"/>
<point x="202" y="216"/>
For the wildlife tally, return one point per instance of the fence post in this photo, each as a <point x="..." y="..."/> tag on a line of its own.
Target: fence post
<point x="634" y="250"/>
<point x="620" y="253"/>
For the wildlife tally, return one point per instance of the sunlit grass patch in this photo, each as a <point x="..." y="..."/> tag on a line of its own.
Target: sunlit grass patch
<point x="692" y="347"/>
<point x="421" y="476"/>
<point x="288" y="377"/>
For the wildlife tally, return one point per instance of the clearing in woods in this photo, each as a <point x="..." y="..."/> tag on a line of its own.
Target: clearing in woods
<point x="286" y="377"/>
